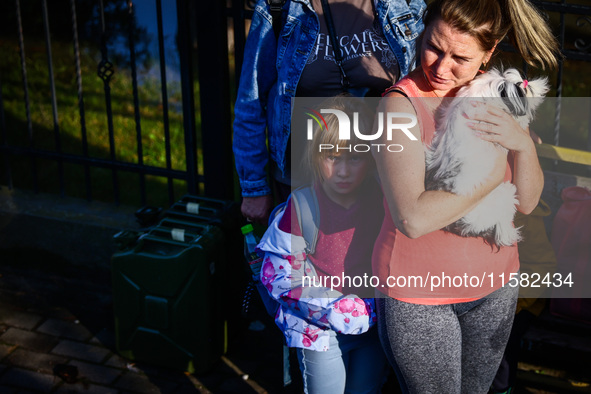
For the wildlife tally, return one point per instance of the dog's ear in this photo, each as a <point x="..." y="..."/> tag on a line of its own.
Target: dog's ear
<point x="513" y="97"/>
<point x="536" y="91"/>
<point x="538" y="87"/>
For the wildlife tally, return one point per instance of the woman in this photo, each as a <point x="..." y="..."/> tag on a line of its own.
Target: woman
<point x="377" y="41"/>
<point x="452" y="340"/>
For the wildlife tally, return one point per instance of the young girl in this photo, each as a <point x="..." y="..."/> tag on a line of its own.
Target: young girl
<point x="332" y="328"/>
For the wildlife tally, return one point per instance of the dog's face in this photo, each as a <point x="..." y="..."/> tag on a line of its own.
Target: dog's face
<point x="520" y="97"/>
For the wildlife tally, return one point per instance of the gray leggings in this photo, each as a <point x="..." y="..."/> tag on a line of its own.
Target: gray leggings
<point x="454" y="348"/>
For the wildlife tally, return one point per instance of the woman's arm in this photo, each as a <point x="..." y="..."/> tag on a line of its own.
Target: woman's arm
<point x="250" y="142"/>
<point x="257" y="78"/>
<point x="414" y="210"/>
<point x="528" y="178"/>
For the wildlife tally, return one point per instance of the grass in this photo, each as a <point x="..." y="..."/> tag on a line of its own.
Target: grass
<point x="42" y="134"/>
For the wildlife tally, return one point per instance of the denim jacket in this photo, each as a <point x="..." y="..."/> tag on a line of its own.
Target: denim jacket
<point x="272" y="68"/>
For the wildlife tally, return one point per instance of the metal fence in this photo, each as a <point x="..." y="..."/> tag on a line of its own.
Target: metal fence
<point x="185" y="53"/>
<point x="112" y="50"/>
<point x="575" y="48"/>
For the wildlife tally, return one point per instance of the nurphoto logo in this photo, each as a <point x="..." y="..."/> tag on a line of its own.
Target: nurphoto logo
<point x="393" y="124"/>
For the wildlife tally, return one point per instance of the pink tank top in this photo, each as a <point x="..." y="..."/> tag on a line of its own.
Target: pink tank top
<point x="439" y="267"/>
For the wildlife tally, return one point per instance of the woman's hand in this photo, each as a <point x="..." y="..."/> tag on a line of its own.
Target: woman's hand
<point x="414" y="210"/>
<point x="493" y="124"/>
<point x="257" y="209"/>
<point x="498" y="126"/>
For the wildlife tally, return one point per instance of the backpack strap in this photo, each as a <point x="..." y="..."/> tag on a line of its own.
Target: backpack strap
<point x="306" y="207"/>
<point x="305" y="203"/>
<point x="276" y="6"/>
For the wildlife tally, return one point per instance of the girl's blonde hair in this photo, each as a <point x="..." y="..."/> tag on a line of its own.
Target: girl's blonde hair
<point x="489" y="21"/>
<point x="329" y="134"/>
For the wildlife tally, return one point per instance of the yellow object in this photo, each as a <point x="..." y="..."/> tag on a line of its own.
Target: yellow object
<point x="564" y="154"/>
<point x="535" y="254"/>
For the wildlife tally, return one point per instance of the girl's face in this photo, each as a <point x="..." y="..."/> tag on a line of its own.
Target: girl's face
<point x="342" y="174"/>
<point x="450" y="58"/>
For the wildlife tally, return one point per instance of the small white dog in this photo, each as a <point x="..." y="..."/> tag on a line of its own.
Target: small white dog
<point x="458" y="160"/>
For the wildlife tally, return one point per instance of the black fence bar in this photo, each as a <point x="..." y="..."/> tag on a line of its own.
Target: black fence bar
<point x="164" y="93"/>
<point x="185" y="55"/>
<point x="559" y="83"/>
<point x="575" y="55"/>
<point x="105" y="72"/>
<point x="241" y="11"/>
<point x="563" y="7"/>
<point x="3" y="139"/>
<point x="81" y="110"/>
<point x="56" y="127"/>
<point x="136" y="100"/>
<point x="21" y="45"/>
<point x="238" y="18"/>
<point x="99" y="163"/>
<point x="214" y="87"/>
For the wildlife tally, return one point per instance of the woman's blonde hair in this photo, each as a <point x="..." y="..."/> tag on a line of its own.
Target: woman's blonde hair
<point x="325" y="135"/>
<point x="489" y="21"/>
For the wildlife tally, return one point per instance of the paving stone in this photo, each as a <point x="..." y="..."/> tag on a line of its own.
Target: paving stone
<point x="66" y="329"/>
<point x="40" y="362"/>
<point x="138" y="383"/>
<point x="106" y="338"/>
<point x="53" y="312"/>
<point x="25" y="379"/>
<point x="5" y="350"/>
<point x="28" y="340"/>
<point x="20" y="319"/>
<point x="86" y="388"/>
<point x="97" y="373"/>
<point x="81" y="351"/>
<point x="118" y="362"/>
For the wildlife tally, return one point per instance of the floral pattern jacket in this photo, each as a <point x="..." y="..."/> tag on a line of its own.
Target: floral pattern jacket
<point x="307" y="312"/>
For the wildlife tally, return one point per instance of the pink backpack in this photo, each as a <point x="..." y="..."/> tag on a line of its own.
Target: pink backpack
<point x="571" y="240"/>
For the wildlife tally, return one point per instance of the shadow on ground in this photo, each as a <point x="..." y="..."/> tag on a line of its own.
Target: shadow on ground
<point x="47" y="285"/>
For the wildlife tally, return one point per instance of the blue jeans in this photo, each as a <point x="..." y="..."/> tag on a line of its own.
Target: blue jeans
<point x="352" y="364"/>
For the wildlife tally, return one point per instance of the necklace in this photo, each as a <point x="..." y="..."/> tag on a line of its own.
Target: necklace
<point x="429" y="83"/>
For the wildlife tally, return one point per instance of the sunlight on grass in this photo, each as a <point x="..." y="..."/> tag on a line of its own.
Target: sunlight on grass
<point x="125" y="128"/>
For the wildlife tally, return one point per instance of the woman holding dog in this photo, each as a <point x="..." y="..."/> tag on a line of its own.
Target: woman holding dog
<point x="451" y="339"/>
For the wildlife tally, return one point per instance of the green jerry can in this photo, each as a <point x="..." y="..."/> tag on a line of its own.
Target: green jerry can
<point x="220" y="212"/>
<point x="226" y="215"/>
<point x="167" y="297"/>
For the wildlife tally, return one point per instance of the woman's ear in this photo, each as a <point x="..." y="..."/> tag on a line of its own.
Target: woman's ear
<point x="490" y="53"/>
